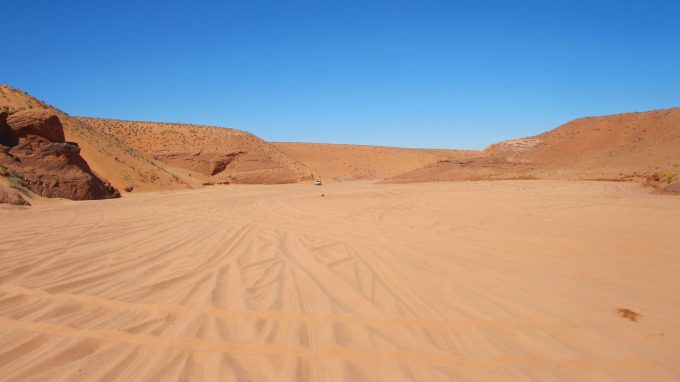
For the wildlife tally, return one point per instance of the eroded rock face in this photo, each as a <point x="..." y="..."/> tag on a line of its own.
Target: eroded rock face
<point x="671" y="189"/>
<point x="37" y="122"/>
<point x="8" y="195"/>
<point x="205" y="162"/>
<point x="36" y="151"/>
<point x="513" y="146"/>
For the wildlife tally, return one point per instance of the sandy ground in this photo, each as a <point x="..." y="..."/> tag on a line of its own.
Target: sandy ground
<point x="515" y="280"/>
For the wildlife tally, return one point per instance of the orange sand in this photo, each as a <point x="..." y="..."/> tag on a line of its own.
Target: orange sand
<point x="514" y="280"/>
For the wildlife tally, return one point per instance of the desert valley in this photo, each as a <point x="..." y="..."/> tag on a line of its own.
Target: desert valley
<point x="164" y="251"/>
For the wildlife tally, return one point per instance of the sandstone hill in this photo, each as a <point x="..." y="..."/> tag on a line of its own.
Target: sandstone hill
<point x="631" y="146"/>
<point x="211" y="154"/>
<point x="47" y="152"/>
<point x="136" y="156"/>
<point x="336" y="162"/>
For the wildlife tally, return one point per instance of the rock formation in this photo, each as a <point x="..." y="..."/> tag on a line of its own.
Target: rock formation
<point x="34" y="149"/>
<point x="10" y="196"/>
<point x="201" y="161"/>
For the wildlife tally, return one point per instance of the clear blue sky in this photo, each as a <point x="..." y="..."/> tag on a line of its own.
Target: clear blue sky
<point x="457" y="74"/>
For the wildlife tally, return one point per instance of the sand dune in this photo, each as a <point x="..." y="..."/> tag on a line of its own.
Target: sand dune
<point x="515" y="280"/>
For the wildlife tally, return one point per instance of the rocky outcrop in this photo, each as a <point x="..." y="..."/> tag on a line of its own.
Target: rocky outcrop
<point x="201" y="161"/>
<point x="35" y="150"/>
<point x="229" y="167"/>
<point x="204" y="154"/>
<point x="39" y="122"/>
<point x="671" y="189"/>
<point x="513" y="145"/>
<point x="9" y="196"/>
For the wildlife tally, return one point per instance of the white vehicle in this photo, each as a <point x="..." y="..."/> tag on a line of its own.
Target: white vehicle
<point x="317" y="182"/>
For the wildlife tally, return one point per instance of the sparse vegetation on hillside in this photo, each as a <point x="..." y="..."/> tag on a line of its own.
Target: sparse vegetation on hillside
<point x="13" y="179"/>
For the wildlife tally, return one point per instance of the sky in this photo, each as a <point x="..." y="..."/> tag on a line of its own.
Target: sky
<point x="438" y="74"/>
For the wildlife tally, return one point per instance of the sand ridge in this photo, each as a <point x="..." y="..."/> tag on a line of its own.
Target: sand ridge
<point x="508" y="280"/>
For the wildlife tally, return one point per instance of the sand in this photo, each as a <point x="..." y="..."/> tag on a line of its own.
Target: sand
<point x="511" y="280"/>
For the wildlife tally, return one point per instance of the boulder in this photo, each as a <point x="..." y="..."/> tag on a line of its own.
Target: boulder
<point x="34" y="148"/>
<point x="40" y="122"/>
<point x="673" y="189"/>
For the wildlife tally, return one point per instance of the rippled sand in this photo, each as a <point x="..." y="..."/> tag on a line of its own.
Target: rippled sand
<point x="448" y="281"/>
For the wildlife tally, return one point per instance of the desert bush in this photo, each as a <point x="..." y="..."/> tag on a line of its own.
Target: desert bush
<point x="670" y="176"/>
<point x="15" y="180"/>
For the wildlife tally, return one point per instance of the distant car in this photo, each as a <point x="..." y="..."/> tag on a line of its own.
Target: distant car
<point x="317" y="182"/>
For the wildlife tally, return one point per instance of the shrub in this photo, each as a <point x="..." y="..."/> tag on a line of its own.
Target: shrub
<point x="670" y="176"/>
<point x="15" y="180"/>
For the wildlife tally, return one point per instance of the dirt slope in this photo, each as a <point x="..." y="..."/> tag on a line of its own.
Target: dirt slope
<point x="605" y="147"/>
<point x="617" y="147"/>
<point x="334" y="162"/>
<point x="211" y="153"/>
